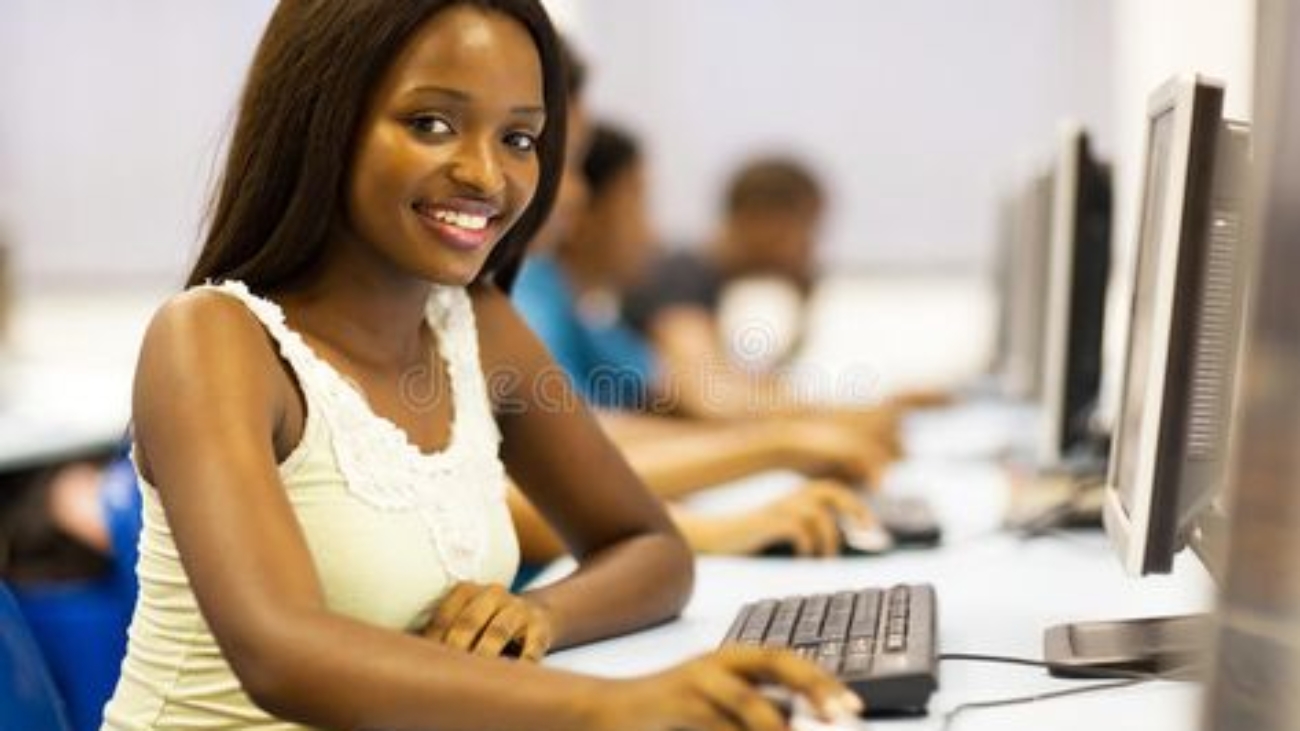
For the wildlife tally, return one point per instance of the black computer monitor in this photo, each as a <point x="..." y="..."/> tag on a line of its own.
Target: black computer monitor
<point x="1078" y="270"/>
<point x="1170" y="452"/>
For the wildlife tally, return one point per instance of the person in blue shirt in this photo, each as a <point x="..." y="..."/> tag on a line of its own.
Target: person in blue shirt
<point x="571" y="297"/>
<point x="672" y="456"/>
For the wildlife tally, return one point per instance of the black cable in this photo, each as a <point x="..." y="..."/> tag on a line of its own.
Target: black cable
<point x="1120" y="679"/>
<point x="952" y="715"/>
<point x="1086" y="673"/>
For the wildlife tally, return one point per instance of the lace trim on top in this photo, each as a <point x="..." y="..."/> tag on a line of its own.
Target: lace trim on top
<point x="381" y="467"/>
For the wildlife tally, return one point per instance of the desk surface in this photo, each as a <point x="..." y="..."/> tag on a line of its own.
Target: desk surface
<point x="50" y="413"/>
<point x="996" y="594"/>
<point x="65" y="374"/>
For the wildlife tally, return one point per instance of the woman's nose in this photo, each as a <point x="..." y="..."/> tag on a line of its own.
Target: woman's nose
<point x="477" y="167"/>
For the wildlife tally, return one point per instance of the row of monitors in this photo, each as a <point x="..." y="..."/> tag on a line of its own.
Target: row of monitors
<point x="1166" y="456"/>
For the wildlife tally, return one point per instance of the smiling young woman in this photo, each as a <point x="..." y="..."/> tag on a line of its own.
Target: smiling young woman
<point x="321" y="548"/>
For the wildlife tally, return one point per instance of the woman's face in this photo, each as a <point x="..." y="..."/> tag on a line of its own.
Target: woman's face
<point x="446" y="157"/>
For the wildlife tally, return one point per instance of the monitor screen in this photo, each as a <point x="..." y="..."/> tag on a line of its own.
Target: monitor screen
<point x="1155" y="193"/>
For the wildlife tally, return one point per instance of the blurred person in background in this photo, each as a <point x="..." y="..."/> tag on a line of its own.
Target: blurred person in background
<point x="572" y="299"/>
<point x="677" y="458"/>
<point x="772" y="211"/>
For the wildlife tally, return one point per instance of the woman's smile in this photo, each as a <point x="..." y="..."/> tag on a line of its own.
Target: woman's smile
<point x="466" y="225"/>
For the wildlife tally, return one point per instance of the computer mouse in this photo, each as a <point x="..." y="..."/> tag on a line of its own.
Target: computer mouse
<point x="808" y="721"/>
<point x="802" y="717"/>
<point x="864" y="538"/>
<point x="856" y="539"/>
<point x="909" y="519"/>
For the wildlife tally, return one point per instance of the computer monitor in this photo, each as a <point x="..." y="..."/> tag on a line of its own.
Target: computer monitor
<point x="1171" y="446"/>
<point x="1078" y="269"/>
<point x="1170" y="451"/>
<point x="1026" y="215"/>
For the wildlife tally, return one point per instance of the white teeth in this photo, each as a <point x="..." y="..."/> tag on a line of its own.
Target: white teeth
<point x="466" y="221"/>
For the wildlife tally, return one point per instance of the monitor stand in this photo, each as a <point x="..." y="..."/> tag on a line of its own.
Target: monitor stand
<point x="1176" y="647"/>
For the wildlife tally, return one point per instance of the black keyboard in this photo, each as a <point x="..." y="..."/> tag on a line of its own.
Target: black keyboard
<point x="880" y="642"/>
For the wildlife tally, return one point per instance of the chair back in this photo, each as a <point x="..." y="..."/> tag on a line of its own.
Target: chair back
<point x="28" y="698"/>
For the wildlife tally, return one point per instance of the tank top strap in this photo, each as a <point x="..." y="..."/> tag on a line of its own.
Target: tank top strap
<point x="292" y="347"/>
<point x="450" y="314"/>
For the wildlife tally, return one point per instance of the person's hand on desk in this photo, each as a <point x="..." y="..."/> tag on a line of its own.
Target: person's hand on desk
<point x="876" y="425"/>
<point x="489" y="620"/>
<point x="723" y="690"/>
<point x="807" y="520"/>
<point x="830" y="448"/>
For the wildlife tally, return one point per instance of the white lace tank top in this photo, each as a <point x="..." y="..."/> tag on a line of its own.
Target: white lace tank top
<point x="390" y="528"/>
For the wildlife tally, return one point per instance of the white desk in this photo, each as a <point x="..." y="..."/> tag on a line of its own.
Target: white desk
<point x="996" y="594"/>
<point x="65" y="374"/>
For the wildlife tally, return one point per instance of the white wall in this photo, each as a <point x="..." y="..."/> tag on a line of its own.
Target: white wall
<point x="1156" y="39"/>
<point x="914" y="111"/>
<point x="113" y="111"/>
<point x="112" y="114"/>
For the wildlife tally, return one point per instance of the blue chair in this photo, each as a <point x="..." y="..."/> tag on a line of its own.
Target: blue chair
<point x="80" y="626"/>
<point x="28" y="698"/>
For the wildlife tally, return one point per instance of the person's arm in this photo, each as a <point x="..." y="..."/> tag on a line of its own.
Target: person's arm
<point x="806" y="520"/>
<point x="700" y="375"/>
<point x="682" y="463"/>
<point x="634" y="567"/>
<point x="705" y="384"/>
<point x="675" y="462"/>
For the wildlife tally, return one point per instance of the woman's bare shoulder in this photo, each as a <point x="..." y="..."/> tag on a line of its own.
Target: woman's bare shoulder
<point x="201" y="341"/>
<point x="205" y="322"/>
<point x="503" y="334"/>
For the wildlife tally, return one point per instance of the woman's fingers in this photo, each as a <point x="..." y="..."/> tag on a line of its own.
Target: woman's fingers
<point x="488" y="620"/>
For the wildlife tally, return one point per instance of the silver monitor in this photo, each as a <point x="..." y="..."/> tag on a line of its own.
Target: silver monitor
<point x="1170" y="451"/>
<point x="1171" y="446"/>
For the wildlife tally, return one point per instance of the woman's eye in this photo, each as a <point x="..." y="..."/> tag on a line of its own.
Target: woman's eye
<point x="521" y="141"/>
<point x="428" y="124"/>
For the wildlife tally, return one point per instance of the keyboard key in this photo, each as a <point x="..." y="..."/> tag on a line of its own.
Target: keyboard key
<point x="866" y="614"/>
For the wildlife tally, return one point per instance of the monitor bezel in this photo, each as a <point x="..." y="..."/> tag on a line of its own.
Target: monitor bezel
<point x="1023" y="285"/>
<point x="1068" y="170"/>
<point x="1145" y="540"/>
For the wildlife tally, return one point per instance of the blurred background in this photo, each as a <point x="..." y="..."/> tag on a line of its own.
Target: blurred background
<point x="916" y="114"/>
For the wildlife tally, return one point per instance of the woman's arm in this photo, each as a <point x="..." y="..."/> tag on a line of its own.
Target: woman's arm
<point x="694" y="459"/>
<point x="634" y="567"/>
<point x="702" y="377"/>
<point x="706" y="384"/>
<point x="677" y="462"/>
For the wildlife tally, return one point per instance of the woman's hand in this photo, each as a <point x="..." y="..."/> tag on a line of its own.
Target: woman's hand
<point x="489" y="620"/>
<point x="807" y="520"/>
<point x="722" y="691"/>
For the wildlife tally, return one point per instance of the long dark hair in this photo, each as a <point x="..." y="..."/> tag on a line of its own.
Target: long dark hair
<point x="307" y="91"/>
